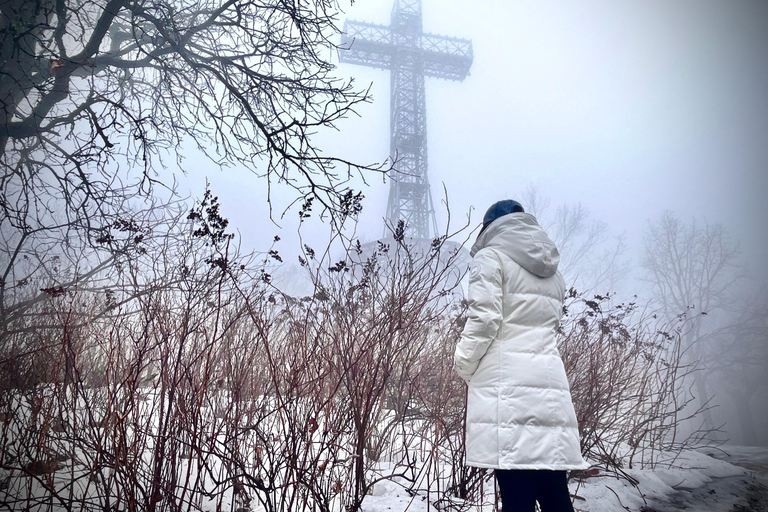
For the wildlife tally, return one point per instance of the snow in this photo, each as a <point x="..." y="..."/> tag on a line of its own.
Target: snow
<point x="740" y="454"/>
<point x="722" y="479"/>
<point x="709" y="479"/>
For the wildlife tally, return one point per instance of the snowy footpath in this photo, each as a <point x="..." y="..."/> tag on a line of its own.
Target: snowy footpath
<point x="725" y="479"/>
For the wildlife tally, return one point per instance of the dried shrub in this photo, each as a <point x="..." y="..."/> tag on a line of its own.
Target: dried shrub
<point x="628" y="381"/>
<point x="216" y="390"/>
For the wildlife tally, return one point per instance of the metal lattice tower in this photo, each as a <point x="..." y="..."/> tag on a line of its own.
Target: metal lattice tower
<point x="410" y="55"/>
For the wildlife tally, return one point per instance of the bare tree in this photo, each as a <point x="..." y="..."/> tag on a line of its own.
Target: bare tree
<point x="691" y="268"/>
<point x="88" y="86"/>
<point x="589" y="258"/>
<point x="97" y="95"/>
<point x="739" y="358"/>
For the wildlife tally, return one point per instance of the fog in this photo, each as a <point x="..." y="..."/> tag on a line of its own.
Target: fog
<point x="120" y="295"/>
<point x="629" y="108"/>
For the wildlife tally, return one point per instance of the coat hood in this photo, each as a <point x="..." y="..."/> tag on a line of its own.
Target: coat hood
<point x="519" y="236"/>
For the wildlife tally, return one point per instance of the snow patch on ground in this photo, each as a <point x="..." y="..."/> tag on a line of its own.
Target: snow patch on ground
<point x="706" y="480"/>
<point x="739" y="454"/>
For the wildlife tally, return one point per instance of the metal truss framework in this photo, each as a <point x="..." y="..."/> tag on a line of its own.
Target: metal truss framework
<point x="410" y="55"/>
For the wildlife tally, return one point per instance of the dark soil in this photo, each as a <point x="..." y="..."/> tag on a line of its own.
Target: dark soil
<point x="756" y="492"/>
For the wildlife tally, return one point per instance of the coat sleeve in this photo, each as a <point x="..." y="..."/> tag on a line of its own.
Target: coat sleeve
<point x="483" y="315"/>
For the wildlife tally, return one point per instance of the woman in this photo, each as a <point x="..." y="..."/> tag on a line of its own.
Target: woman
<point x="520" y="418"/>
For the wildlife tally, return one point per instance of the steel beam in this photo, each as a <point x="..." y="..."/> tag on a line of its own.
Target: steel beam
<point x="410" y="55"/>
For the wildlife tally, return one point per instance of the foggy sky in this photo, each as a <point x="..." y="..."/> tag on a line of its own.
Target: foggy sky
<point x="631" y="108"/>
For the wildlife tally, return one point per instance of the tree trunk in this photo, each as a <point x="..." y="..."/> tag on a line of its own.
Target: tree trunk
<point x="21" y="25"/>
<point x="705" y="404"/>
<point x="692" y="340"/>
<point x="746" y="422"/>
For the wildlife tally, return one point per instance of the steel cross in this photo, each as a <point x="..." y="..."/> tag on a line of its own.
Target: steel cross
<point x="411" y="55"/>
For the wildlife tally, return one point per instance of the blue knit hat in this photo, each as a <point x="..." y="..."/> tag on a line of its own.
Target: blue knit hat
<point x="500" y="209"/>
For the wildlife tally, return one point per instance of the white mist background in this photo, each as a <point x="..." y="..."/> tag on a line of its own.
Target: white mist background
<point x="629" y="108"/>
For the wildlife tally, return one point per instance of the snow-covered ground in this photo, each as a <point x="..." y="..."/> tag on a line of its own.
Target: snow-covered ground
<point x="725" y="479"/>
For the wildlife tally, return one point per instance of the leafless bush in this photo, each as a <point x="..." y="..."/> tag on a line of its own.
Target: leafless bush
<point x="373" y="317"/>
<point x="628" y="381"/>
<point x="205" y="387"/>
<point x="103" y="398"/>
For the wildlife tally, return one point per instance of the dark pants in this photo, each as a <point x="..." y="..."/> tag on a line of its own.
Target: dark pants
<point x="520" y="489"/>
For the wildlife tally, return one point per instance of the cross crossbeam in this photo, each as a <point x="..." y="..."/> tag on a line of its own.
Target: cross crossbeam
<point x="373" y="46"/>
<point x="410" y="55"/>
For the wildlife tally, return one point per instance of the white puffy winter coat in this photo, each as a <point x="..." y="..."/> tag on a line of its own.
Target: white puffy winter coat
<point x="519" y="409"/>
